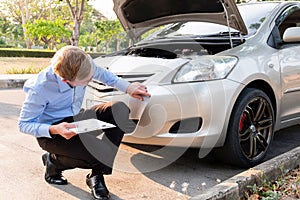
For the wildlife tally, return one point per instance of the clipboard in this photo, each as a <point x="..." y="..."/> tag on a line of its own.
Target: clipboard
<point x="89" y="125"/>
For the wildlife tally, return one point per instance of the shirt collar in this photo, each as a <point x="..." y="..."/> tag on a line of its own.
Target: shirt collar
<point x="62" y="85"/>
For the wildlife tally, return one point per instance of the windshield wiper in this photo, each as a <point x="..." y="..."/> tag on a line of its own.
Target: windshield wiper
<point x="224" y="33"/>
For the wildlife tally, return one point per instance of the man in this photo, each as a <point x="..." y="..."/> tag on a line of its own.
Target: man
<point x="53" y="101"/>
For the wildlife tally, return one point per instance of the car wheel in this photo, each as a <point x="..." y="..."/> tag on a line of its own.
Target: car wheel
<point x="250" y="129"/>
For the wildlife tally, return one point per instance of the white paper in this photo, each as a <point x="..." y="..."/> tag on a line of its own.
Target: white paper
<point x="90" y="125"/>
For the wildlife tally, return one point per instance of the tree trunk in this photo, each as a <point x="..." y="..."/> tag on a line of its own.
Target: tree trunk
<point x="76" y="33"/>
<point x="118" y="44"/>
<point x="77" y="14"/>
<point x="25" y="14"/>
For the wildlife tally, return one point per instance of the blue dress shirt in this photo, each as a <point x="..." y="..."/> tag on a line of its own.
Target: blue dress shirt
<point x="49" y="100"/>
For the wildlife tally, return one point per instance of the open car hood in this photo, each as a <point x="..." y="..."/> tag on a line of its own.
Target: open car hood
<point x="139" y="16"/>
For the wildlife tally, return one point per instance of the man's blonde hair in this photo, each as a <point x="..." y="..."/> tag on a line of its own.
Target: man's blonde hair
<point x="71" y="62"/>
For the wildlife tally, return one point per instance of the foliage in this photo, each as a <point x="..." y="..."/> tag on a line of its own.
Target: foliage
<point x="77" y="9"/>
<point x="11" y="52"/>
<point x="286" y="185"/>
<point x="2" y="42"/>
<point x="87" y="40"/>
<point x="9" y="32"/>
<point x="28" y="70"/>
<point x="111" y="35"/>
<point x="22" y="12"/>
<point x="49" y="32"/>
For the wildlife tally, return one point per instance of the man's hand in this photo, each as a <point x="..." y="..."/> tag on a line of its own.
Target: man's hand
<point x="63" y="130"/>
<point x="138" y="90"/>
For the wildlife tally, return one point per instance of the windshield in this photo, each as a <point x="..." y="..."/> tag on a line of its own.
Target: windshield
<point x="252" y="14"/>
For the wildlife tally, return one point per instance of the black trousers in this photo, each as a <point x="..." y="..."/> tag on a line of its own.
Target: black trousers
<point x="95" y="150"/>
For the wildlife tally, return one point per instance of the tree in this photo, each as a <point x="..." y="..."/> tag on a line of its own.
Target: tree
<point x="23" y="11"/>
<point x="4" y="26"/>
<point x="50" y="32"/>
<point x="109" y="31"/>
<point x="80" y="12"/>
<point x="26" y="11"/>
<point x="11" y="34"/>
<point x="88" y="33"/>
<point x="24" y="8"/>
<point x="77" y="14"/>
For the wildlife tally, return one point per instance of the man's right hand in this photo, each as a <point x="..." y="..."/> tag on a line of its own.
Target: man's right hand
<point x="63" y="130"/>
<point x="138" y="90"/>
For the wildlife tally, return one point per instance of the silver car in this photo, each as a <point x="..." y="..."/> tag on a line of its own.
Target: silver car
<point x="222" y="76"/>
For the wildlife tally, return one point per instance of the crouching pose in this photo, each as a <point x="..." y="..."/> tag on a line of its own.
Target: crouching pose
<point x="53" y="101"/>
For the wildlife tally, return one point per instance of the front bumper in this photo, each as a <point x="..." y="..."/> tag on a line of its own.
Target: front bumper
<point x="204" y="105"/>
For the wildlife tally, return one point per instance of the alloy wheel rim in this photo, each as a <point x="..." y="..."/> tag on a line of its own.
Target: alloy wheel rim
<point x="255" y="128"/>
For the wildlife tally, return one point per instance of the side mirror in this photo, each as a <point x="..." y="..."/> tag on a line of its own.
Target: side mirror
<point x="292" y="34"/>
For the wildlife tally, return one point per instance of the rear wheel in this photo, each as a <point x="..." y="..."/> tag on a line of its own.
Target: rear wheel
<point x="250" y="130"/>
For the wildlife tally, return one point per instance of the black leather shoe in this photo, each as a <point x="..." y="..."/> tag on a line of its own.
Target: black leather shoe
<point x="52" y="174"/>
<point x="98" y="188"/>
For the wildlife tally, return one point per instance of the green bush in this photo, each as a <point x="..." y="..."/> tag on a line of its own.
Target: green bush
<point x="37" y="53"/>
<point x="10" y="52"/>
<point x="2" y="42"/>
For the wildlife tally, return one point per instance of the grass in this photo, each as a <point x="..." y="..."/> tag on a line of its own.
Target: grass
<point x="287" y="186"/>
<point x="28" y="70"/>
<point x="22" y="65"/>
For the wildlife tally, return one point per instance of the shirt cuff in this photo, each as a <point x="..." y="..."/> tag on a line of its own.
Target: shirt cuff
<point x="122" y="85"/>
<point x="43" y="131"/>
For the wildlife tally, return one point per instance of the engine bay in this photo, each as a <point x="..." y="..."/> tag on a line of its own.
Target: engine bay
<point x="172" y="49"/>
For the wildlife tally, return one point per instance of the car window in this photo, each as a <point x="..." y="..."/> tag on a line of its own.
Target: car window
<point x="289" y="18"/>
<point x="252" y="14"/>
<point x="190" y="29"/>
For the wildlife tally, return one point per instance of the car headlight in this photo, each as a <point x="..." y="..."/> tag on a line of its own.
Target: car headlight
<point x="205" y="68"/>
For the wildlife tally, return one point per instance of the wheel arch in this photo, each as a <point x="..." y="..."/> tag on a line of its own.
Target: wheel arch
<point x="256" y="84"/>
<point x="240" y="144"/>
<point x="266" y="88"/>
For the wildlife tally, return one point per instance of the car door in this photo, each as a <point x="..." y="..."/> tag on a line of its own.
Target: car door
<point x="288" y="56"/>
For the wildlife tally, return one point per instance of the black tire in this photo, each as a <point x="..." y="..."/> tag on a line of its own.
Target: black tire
<point x="250" y="130"/>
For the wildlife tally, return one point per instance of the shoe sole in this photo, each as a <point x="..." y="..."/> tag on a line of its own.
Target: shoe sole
<point x="44" y="159"/>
